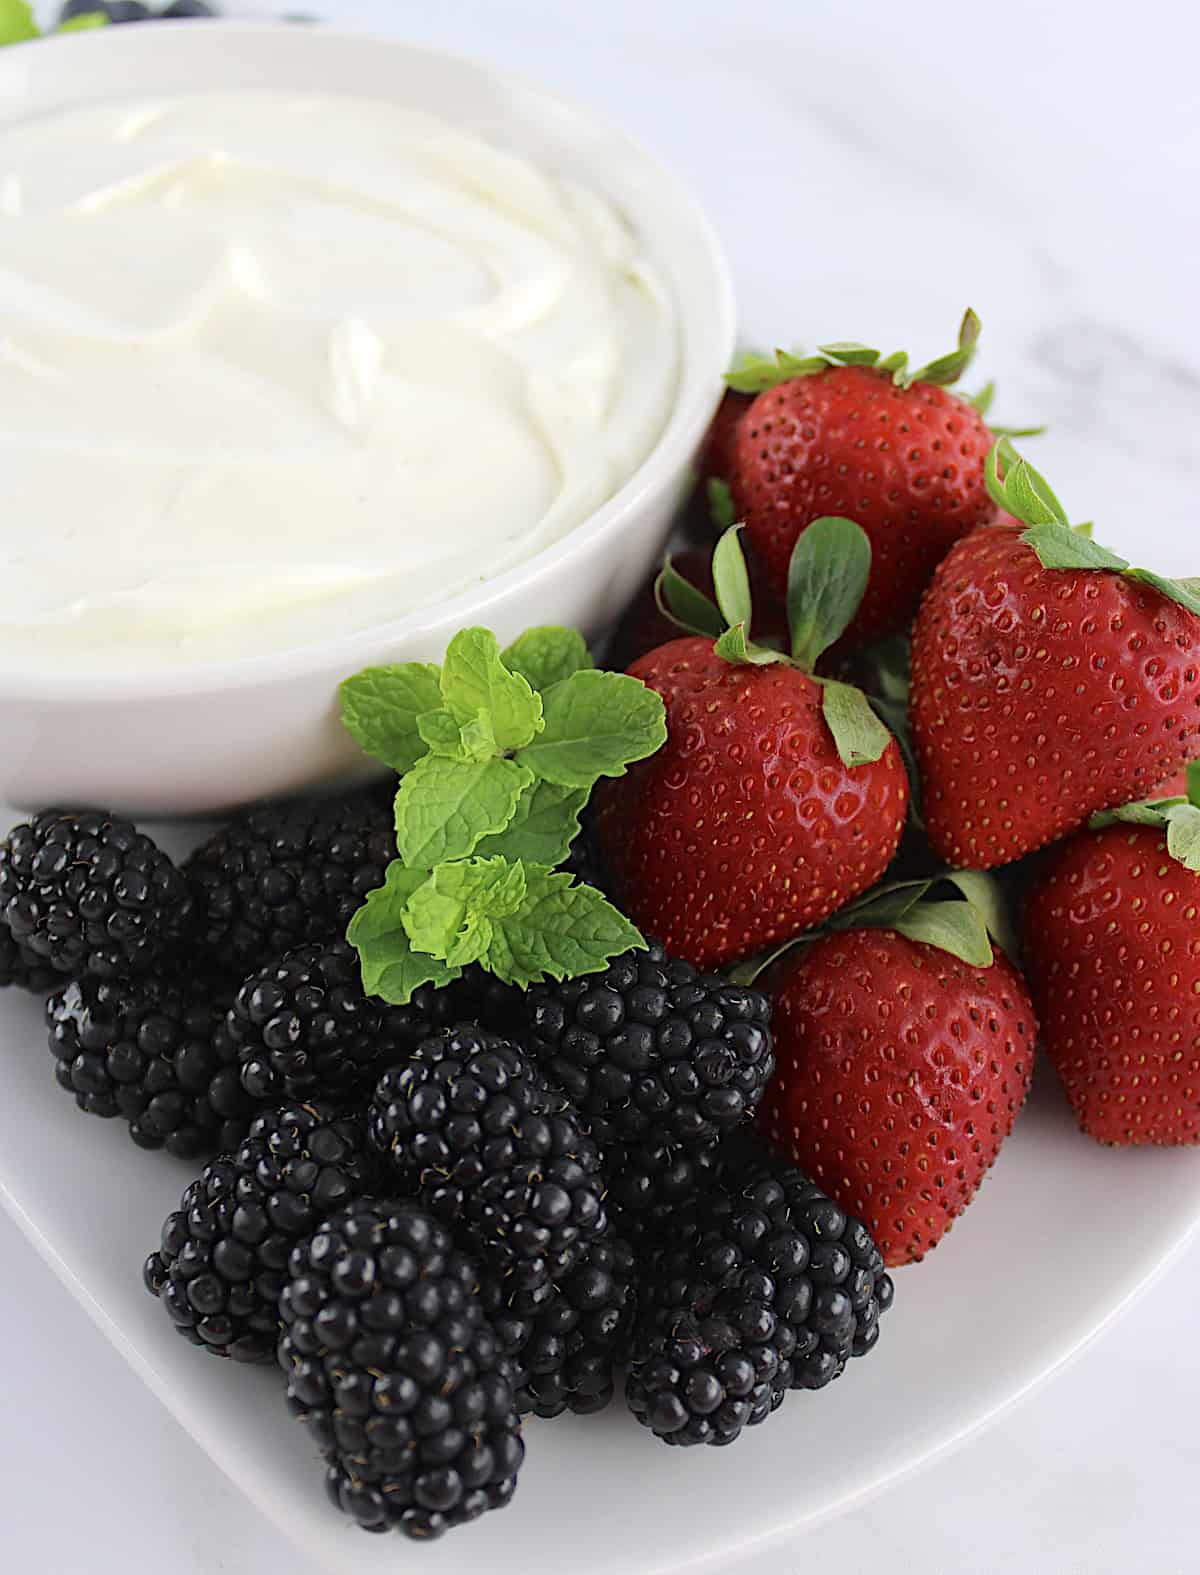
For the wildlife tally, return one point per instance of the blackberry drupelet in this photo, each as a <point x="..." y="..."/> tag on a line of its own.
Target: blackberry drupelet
<point x="651" y="1046"/>
<point x="223" y="1258"/>
<point x="395" y="1368"/>
<point x="768" y="1286"/>
<point x="562" y="1356"/>
<point x="471" y="1122"/>
<point x="23" y="968"/>
<point x="154" y="1052"/>
<point x="89" y="894"/>
<point x="289" y="874"/>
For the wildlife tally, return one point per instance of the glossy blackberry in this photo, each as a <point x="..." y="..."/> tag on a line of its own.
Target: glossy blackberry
<point x="288" y="875"/>
<point x="651" y="1181"/>
<point x="652" y="1046"/>
<point x="562" y="1356"/>
<point x="23" y="968"/>
<point x="180" y="9"/>
<point x="155" y="1053"/>
<point x="767" y="1286"/>
<point x="304" y="1029"/>
<point x="89" y="894"/>
<point x="471" y="1123"/>
<point x="223" y="1258"/>
<point x="396" y="1370"/>
<point x="114" y="10"/>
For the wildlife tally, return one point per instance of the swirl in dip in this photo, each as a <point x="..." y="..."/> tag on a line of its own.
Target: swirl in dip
<point x="274" y="368"/>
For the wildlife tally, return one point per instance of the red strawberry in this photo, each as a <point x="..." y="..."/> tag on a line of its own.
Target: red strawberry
<point x="904" y="459"/>
<point x="643" y="626"/>
<point x="1112" y="947"/>
<point x="1043" y="687"/>
<point x="900" y="1070"/>
<point x="754" y="820"/>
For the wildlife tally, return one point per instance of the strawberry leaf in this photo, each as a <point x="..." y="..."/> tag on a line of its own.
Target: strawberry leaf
<point x="827" y="576"/>
<point x="953" y="927"/>
<point x="858" y="733"/>
<point x="680" y="601"/>
<point x="1183" y="835"/>
<point x="1059" y="547"/>
<point x="849" y="353"/>
<point x="754" y="374"/>
<point x="948" y="369"/>
<point x="733" y="647"/>
<point x="983" y="399"/>
<point x="1186" y="593"/>
<point x="720" y="503"/>
<point x="730" y="579"/>
<point x="985" y="894"/>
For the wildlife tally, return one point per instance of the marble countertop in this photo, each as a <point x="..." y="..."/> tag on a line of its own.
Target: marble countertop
<point x="872" y="169"/>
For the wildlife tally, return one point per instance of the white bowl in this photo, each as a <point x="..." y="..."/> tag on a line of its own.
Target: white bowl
<point x="201" y="739"/>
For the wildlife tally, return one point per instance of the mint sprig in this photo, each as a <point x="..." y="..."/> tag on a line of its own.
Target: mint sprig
<point x="1028" y="497"/>
<point x="497" y="752"/>
<point x="827" y="576"/>
<point x="17" y="24"/>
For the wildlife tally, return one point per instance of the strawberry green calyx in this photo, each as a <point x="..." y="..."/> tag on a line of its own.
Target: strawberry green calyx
<point x="497" y="752"/>
<point x="827" y="576"/>
<point x="961" y="912"/>
<point x="754" y="373"/>
<point x="1026" y="494"/>
<point x="982" y="402"/>
<point x="1179" y="817"/>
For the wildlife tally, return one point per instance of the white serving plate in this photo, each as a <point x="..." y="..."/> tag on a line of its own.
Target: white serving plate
<point x="1062" y="1237"/>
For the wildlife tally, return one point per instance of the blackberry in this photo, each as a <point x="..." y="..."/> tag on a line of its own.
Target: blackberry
<point x="154" y="1052"/>
<point x="768" y="1286"/>
<point x="223" y="1258"/>
<point x="187" y="8"/>
<point x="470" y="1122"/>
<point x="304" y="1029"/>
<point x="652" y="1046"/>
<point x="287" y="875"/>
<point x="23" y="968"/>
<point x="89" y="894"/>
<point x="649" y="1182"/>
<point x="562" y="1356"/>
<point x="395" y="1368"/>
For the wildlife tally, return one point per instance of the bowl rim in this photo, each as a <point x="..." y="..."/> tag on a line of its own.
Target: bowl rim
<point x="699" y="373"/>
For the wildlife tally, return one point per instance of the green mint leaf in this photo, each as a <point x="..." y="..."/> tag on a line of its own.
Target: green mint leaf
<point x="478" y="739"/>
<point x="596" y="724"/>
<point x="84" y="23"/>
<point x="561" y="930"/>
<point x="849" y="353"/>
<point x="720" y="503"/>
<point x="858" y="733"/>
<point x="1183" y="835"/>
<point x="733" y="647"/>
<point x="1059" y="547"/>
<point x="826" y="580"/>
<point x="953" y="927"/>
<point x="475" y="679"/>
<point x="380" y="708"/>
<point x="546" y="655"/>
<point x="444" y="808"/>
<point x="1187" y="595"/>
<point x="17" y="25"/>
<point x="985" y="894"/>
<point x="440" y="733"/>
<point x="543" y="827"/>
<point x="730" y="578"/>
<point x="389" y="967"/>
<point x="451" y="914"/>
<point x="680" y="601"/>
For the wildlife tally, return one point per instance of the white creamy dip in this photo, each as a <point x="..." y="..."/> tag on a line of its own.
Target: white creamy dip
<point x="273" y="368"/>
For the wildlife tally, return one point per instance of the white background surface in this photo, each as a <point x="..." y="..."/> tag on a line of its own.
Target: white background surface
<point x="872" y="168"/>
